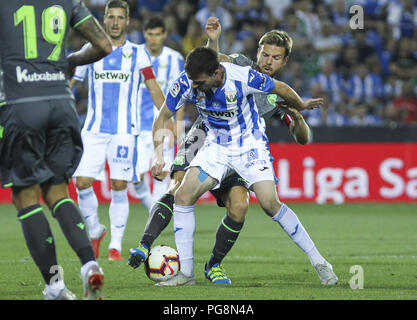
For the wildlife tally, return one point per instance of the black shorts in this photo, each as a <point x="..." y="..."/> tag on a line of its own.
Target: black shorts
<point x="230" y="181"/>
<point x="40" y="143"/>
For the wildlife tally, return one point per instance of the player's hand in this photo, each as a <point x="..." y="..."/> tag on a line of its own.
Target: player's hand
<point x="313" y="103"/>
<point x="157" y="167"/>
<point x="213" y="28"/>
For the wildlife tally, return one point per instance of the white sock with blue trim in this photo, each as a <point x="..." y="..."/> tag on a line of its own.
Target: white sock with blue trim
<point x="289" y="221"/>
<point x="184" y="227"/>
<point x="118" y="212"/>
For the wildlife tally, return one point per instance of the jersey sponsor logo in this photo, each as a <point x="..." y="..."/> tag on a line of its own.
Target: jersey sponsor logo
<point x="122" y="152"/>
<point x="23" y="75"/>
<point x="234" y="55"/>
<point x="228" y="114"/>
<point x="253" y="158"/>
<point x="111" y="76"/>
<point x="253" y="154"/>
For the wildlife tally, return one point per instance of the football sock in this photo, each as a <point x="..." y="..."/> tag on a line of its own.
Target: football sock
<point x="226" y="236"/>
<point x="144" y="194"/>
<point x="159" y="218"/>
<point x="159" y="188"/>
<point x="73" y="227"/>
<point x="289" y="221"/>
<point x="184" y="227"/>
<point x="119" y="212"/>
<point x="88" y="203"/>
<point x="39" y="239"/>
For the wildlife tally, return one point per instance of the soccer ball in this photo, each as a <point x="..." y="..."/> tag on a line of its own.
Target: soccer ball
<point x="162" y="264"/>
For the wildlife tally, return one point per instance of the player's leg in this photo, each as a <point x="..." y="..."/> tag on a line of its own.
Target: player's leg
<point x="162" y="211"/>
<point x="118" y="213"/>
<point x="142" y="164"/>
<point x="119" y="156"/>
<point x="196" y="182"/>
<point x="23" y="167"/>
<point x="236" y="201"/>
<point x="159" y="218"/>
<point x="38" y="237"/>
<point x="64" y="143"/>
<point x="267" y="195"/>
<point x="91" y="167"/>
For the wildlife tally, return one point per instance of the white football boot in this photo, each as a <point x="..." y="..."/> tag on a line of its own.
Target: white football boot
<point x="326" y="274"/>
<point x="179" y="280"/>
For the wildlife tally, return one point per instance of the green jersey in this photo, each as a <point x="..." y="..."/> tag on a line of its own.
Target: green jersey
<point x="33" y="36"/>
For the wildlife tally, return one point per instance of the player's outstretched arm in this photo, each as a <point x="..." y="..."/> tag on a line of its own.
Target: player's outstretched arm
<point x="99" y="46"/>
<point x="293" y="99"/>
<point x="213" y="31"/>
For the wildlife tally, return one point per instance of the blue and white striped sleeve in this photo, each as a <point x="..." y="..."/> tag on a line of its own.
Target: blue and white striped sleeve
<point x="178" y="93"/>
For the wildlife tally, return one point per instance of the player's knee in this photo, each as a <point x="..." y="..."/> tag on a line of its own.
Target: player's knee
<point x="237" y="211"/>
<point x="270" y="205"/>
<point x="182" y="198"/>
<point x="83" y="183"/>
<point x="118" y="185"/>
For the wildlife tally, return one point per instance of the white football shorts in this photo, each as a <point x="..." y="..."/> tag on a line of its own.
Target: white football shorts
<point x="117" y="149"/>
<point x="252" y="161"/>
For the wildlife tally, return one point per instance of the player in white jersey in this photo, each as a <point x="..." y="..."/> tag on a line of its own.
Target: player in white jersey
<point x="223" y="94"/>
<point x="111" y="125"/>
<point x="167" y="65"/>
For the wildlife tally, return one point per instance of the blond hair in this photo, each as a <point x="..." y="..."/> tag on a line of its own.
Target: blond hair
<point x="277" y="38"/>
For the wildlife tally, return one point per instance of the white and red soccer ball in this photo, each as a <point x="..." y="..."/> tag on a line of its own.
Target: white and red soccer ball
<point x="162" y="264"/>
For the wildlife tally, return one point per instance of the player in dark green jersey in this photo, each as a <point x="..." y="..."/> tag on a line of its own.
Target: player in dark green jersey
<point x="40" y="143"/>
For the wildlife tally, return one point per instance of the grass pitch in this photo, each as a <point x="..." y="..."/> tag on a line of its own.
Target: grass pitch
<point x="264" y="264"/>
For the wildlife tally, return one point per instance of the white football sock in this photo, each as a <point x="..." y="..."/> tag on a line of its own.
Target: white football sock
<point x="88" y="203"/>
<point x="289" y="221"/>
<point x="160" y="188"/>
<point x="184" y="227"/>
<point x="118" y="212"/>
<point x="144" y="194"/>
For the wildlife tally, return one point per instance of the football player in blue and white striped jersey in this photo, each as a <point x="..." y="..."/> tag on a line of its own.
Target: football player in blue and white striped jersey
<point x="223" y="94"/>
<point x="111" y="125"/>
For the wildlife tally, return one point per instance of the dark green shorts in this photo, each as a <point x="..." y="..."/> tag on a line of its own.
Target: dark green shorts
<point x="40" y="142"/>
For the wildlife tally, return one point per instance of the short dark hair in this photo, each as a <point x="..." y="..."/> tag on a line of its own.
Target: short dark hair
<point x="117" y="4"/>
<point x="154" y="22"/>
<point x="201" y="60"/>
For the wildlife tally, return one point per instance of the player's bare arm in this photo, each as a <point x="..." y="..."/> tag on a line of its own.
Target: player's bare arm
<point x="292" y="98"/>
<point x="99" y="46"/>
<point x="157" y="95"/>
<point x="298" y="127"/>
<point x="213" y="31"/>
<point x="160" y="130"/>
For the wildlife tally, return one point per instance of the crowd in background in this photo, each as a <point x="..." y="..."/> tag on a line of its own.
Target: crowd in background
<point x="368" y="76"/>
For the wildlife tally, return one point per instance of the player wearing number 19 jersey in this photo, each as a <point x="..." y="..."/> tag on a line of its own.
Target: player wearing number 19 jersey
<point x="40" y="143"/>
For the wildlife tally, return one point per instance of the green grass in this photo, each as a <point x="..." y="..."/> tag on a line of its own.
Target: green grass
<point x="263" y="264"/>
